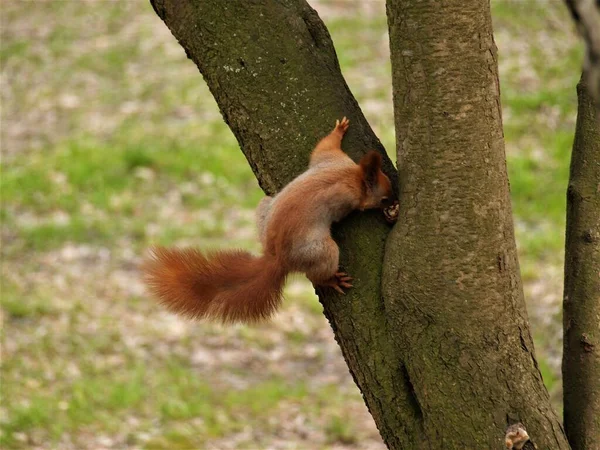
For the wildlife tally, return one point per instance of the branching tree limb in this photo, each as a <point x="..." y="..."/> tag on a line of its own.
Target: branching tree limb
<point x="581" y="316"/>
<point x="274" y="73"/>
<point x="446" y="361"/>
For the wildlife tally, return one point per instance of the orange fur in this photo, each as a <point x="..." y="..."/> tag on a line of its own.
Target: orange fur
<point x="294" y="229"/>
<point x="230" y="286"/>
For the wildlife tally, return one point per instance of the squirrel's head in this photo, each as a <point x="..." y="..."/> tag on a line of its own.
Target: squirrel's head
<point x="377" y="189"/>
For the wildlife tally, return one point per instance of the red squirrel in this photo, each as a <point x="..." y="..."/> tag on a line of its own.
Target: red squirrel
<point x="294" y="230"/>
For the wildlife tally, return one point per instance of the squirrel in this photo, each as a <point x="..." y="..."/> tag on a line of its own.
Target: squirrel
<point x="294" y="230"/>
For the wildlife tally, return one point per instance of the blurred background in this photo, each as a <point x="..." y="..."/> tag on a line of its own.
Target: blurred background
<point x="111" y="141"/>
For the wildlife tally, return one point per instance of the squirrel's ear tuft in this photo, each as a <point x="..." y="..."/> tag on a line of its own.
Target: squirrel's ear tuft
<point x="370" y="165"/>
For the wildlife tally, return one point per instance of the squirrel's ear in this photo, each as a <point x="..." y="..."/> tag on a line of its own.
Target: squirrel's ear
<point x="370" y="165"/>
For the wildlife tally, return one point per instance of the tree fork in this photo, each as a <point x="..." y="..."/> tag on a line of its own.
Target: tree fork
<point x="581" y="304"/>
<point x="272" y="68"/>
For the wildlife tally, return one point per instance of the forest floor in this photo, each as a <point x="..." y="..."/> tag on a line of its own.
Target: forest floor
<point x="111" y="141"/>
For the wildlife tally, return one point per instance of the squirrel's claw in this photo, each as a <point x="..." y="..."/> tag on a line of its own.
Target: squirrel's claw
<point x="338" y="281"/>
<point x="342" y="126"/>
<point x="338" y="288"/>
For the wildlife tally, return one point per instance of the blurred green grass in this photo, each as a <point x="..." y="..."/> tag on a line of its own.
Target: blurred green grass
<point x="111" y="141"/>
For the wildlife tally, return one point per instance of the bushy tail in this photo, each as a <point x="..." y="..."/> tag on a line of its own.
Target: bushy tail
<point x="229" y="286"/>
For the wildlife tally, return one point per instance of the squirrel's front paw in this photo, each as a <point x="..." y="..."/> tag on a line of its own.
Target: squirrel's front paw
<point x="391" y="212"/>
<point x="342" y="127"/>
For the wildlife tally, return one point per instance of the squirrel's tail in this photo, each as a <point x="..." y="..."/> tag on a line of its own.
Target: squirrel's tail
<point x="229" y="286"/>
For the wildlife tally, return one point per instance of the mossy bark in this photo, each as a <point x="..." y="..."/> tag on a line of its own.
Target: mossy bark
<point x="273" y="70"/>
<point x="451" y="280"/>
<point x="581" y="315"/>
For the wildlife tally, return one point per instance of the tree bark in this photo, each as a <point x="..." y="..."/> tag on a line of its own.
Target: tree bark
<point x="272" y="68"/>
<point x="451" y="279"/>
<point x="581" y="315"/>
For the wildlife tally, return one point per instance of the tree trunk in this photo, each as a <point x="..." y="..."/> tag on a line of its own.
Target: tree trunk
<point x="581" y="316"/>
<point x="452" y="286"/>
<point x="272" y="68"/>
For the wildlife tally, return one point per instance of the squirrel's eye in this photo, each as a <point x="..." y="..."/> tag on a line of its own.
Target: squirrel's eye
<point x="385" y="201"/>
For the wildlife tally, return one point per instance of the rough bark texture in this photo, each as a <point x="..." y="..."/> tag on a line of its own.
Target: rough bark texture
<point x="581" y="318"/>
<point x="451" y="281"/>
<point x="273" y="70"/>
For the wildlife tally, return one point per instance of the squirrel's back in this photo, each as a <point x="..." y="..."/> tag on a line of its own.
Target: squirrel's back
<point x="311" y="202"/>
